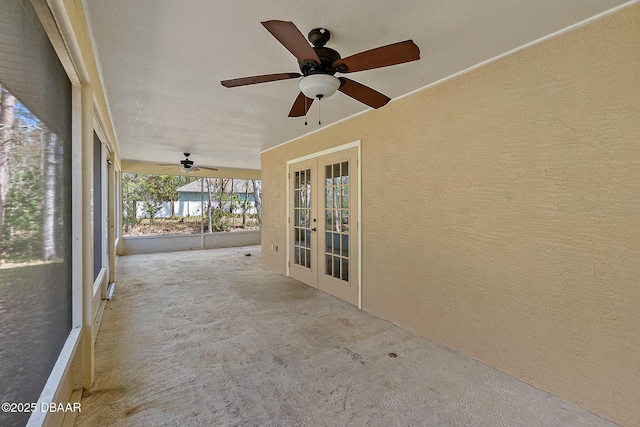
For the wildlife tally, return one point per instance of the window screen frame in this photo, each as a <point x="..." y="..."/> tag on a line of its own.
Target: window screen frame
<point x="74" y="364"/>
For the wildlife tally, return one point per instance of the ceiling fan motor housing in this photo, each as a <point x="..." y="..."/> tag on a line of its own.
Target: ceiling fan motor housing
<point x="318" y="37"/>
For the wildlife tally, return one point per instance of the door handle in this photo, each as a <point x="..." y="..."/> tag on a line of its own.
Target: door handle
<point x="313" y="229"/>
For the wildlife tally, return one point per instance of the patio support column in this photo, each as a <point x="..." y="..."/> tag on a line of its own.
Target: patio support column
<point x="111" y="214"/>
<point x="202" y="212"/>
<point x="118" y="203"/>
<point x="87" y="237"/>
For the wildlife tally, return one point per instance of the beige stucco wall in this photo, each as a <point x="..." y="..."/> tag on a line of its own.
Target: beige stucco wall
<point x="501" y="213"/>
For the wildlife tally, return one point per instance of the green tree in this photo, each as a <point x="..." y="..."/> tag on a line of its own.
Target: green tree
<point x="130" y="197"/>
<point x="152" y="191"/>
<point x="22" y="231"/>
<point x="7" y="106"/>
<point x="257" y="197"/>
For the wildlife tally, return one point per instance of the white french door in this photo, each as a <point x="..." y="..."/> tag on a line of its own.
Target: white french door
<point x="323" y="247"/>
<point x="303" y="222"/>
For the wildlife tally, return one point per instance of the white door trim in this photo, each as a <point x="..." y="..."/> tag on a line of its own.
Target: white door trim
<point x="353" y="144"/>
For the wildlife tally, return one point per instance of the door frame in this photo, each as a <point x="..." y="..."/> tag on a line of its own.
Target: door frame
<point x="356" y="144"/>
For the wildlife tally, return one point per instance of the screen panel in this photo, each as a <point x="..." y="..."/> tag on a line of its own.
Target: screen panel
<point x="35" y="207"/>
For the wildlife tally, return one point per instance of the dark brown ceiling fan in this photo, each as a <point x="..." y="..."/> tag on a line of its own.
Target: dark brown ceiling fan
<point x="186" y="165"/>
<point x="319" y="64"/>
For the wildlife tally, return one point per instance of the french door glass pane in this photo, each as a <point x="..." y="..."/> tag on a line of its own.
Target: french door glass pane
<point x="345" y="269"/>
<point x="345" y="245"/>
<point x="337" y="220"/>
<point x="345" y="171"/>
<point x="302" y="218"/>
<point x="345" y="197"/>
<point x="329" y="265"/>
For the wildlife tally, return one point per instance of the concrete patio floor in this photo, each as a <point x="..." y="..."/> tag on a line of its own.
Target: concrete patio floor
<point x="213" y="338"/>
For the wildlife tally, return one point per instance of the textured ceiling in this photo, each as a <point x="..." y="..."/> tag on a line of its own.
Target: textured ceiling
<point x="162" y="62"/>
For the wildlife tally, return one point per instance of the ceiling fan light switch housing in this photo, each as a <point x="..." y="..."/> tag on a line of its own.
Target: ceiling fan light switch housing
<point x="319" y="85"/>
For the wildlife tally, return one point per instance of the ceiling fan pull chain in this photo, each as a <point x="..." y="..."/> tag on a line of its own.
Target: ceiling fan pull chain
<point x="319" y="104"/>
<point x="305" y="111"/>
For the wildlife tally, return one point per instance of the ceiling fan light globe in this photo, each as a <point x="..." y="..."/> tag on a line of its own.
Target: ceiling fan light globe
<point x="189" y="168"/>
<point x="319" y="85"/>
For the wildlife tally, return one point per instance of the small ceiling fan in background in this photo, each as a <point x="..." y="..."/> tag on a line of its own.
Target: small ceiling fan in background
<point x="186" y="165"/>
<point x="319" y="64"/>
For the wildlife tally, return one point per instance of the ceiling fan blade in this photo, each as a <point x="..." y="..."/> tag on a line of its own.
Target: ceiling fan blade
<point x="259" y="79"/>
<point x="383" y="56"/>
<point x="362" y="93"/>
<point x="300" y="107"/>
<point x="290" y="37"/>
<point x="207" y="168"/>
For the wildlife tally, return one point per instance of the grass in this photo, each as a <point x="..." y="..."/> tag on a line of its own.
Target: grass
<point x="184" y="225"/>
